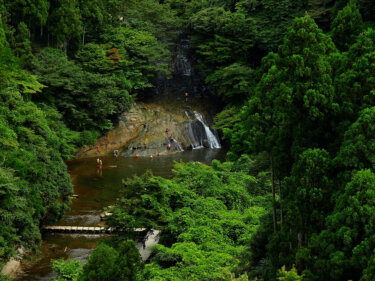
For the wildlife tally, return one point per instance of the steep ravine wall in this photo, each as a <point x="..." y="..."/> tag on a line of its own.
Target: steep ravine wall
<point x="142" y="130"/>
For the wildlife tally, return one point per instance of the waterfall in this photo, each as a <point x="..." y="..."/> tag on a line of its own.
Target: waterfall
<point x="200" y="134"/>
<point x="211" y="138"/>
<point x="195" y="134"/>
<point x="178" y="146"/>
<point x="182" y="63"/>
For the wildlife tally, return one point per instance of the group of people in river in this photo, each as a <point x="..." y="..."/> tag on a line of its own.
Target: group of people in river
<point x="115" y="153"/>
<point x="168" y="145"/>
<point x="99" y="162"/>
<point x="170" y="139"/>
<point x="145" y="125"/>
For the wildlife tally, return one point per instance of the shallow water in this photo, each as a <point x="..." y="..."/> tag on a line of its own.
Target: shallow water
<point x="98" y="189"/>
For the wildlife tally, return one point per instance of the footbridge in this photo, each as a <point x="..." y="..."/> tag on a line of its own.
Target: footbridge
<point x="82" y="229"/>
<point x="151" y="238"/>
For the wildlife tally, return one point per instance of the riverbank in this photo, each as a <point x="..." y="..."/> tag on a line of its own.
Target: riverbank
<point x="13" y="266"/>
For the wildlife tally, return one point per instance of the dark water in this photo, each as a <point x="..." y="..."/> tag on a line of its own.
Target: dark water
<point x="98" y="189"/>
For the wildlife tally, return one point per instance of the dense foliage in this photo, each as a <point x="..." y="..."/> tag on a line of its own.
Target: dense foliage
<point x="311" y="110"/>
<point x="207" y="215"/>
<point x="120" y="261"/>
<point x="34" y="184"/>
<point x="113" y="54"/>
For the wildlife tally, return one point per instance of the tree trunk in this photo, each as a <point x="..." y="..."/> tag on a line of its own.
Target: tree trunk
<point x="83" y="37"/>
<point x="65" y="46"/>
<point x="281" y="206"/>
<point x="290" y="237"/>
<point x="273" y="194"/>
<point x="299" y="238"/>
<point x="48" y="33"/>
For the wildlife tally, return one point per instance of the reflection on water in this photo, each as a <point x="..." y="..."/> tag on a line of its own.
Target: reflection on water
<point x="77" y="247"/>
<point x="99" y="188"/>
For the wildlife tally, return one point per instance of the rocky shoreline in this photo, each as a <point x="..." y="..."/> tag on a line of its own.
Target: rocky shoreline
<point x="13" y="266"/>
<point x="142" y="132"/>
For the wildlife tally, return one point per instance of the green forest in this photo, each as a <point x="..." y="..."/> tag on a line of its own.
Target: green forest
<point x="295" y="199"/>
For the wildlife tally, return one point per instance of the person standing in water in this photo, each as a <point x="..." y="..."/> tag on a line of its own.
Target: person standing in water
<point x="115" y="154"/>
<point x="100" y="163"/>
<point x="186" y="96"/>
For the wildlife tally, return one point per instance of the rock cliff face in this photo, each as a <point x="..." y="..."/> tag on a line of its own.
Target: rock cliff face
<point x="142" y="130"/>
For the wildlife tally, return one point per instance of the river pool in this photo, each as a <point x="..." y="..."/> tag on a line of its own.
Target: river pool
<point x="98" y="189"/>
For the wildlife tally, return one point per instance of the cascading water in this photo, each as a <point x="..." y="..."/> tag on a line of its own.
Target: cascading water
<point x="199" y="134"/>
<point x="194" y="134"/>
<point x="211" y="138"/>
<point x="182" y="64"/>
<point x="178" y="146"/>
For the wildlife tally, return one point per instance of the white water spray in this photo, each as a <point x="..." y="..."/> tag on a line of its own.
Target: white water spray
<point x="211" y="138"/>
